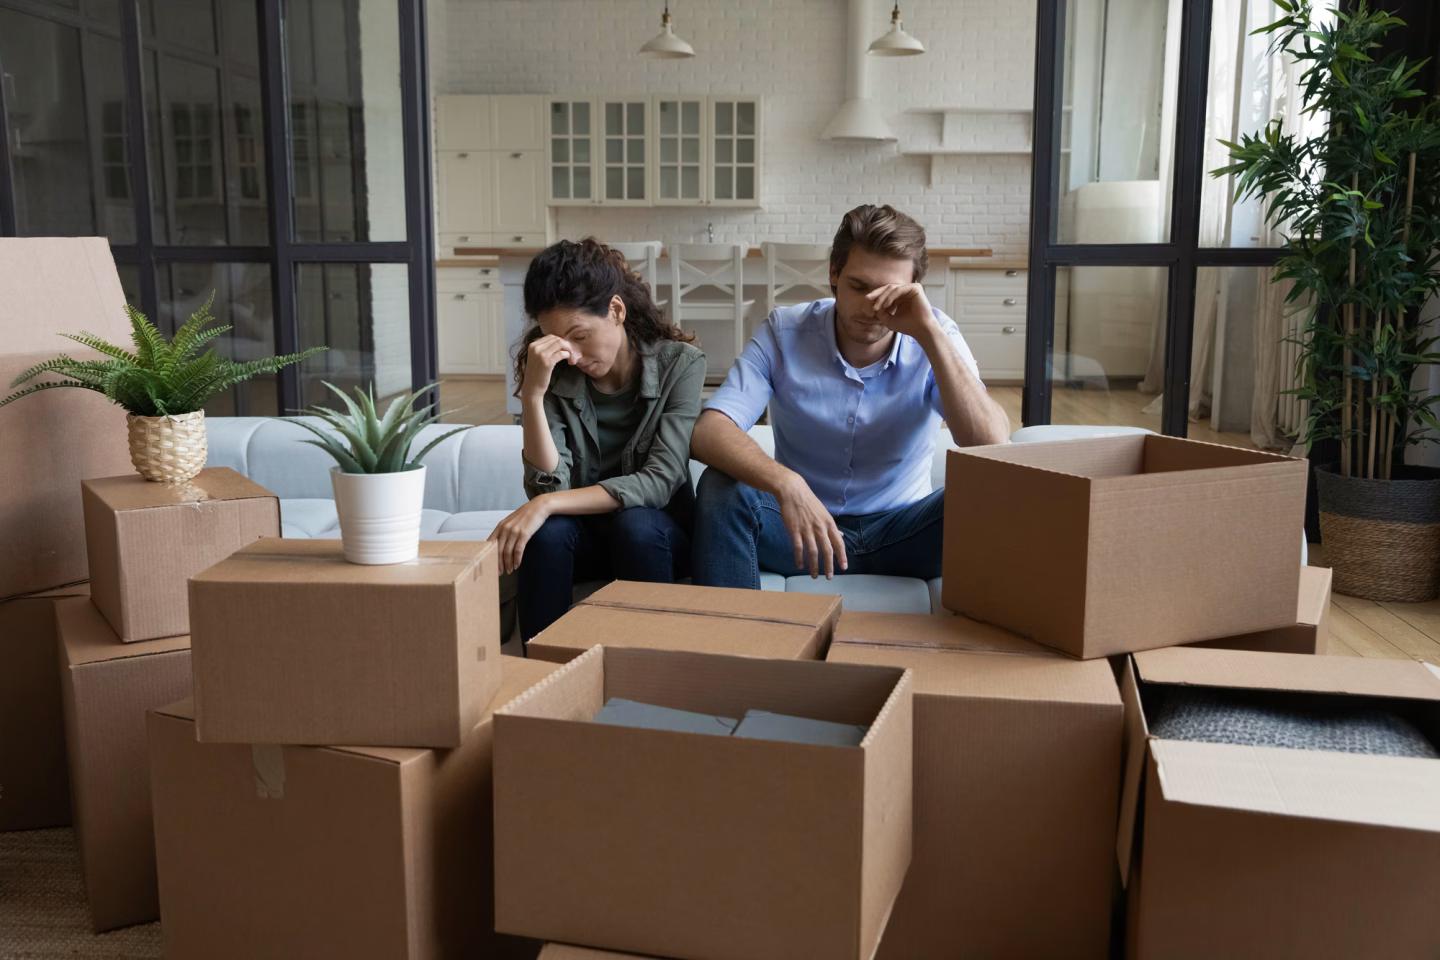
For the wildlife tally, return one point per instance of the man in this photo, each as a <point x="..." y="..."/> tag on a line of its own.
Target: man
<point x="856" y="388"/>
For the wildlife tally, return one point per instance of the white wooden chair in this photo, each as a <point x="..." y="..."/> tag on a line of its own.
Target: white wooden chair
<point x="644" y="259"/>
<point x="707" y="293"/>
<point x="795" y="273"/>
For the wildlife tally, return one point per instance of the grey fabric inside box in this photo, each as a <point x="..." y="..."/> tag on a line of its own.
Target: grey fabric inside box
<point x="1294" y="721"/>
<point x="631" y="713"/>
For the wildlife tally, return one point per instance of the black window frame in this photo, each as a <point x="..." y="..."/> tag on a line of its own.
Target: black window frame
<point x="282" y="253"/>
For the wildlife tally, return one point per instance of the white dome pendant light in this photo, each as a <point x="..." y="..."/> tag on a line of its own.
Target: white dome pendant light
<point x="665" y="45"/>
<point x="897" y="43"/>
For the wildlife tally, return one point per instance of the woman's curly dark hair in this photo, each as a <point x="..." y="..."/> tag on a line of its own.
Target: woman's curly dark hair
<point x="585" y="275"/>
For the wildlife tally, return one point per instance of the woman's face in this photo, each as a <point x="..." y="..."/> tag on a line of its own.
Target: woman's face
<point x="594" y="340"/>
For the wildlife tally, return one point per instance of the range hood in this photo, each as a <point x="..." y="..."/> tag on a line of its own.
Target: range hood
<point x="859" y="117"/>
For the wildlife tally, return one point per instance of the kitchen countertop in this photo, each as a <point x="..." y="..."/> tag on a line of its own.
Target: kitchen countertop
<point x="949" y="253"/>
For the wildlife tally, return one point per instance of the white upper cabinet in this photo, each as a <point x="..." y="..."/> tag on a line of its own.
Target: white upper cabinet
<point x="735" y="151"/>
<point x="518" y="122"/>
<point x="490" y="170"/>
<point x="520" y="195"/>
<point x="570" y="152"/>
<point x="625" y="154"/>
<point x="463" y="122"/>
<point x="680" y="151"/>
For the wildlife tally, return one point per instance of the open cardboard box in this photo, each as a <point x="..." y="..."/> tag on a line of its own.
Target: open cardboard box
<point x="354" y="852"/>
<point x="145" y="540"/>
<point x="1248" y="851"/>
<point x="671" y="616"/>
<point x="1104" y="546"/>
<point x="51" y="441"/>
<point x="689" y="845"/>
<point x="1017" y="781"/>
<point x="1309" y="632"/>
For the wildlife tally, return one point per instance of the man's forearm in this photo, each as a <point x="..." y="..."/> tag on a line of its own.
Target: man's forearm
<point x="718" y="442"/>
<point x="973" y="416"/>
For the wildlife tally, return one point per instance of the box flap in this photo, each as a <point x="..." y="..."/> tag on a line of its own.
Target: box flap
<point x="1314" y="603"/>
<point x="78" y="589"/>
<point x="1135" y="743"/>
<point x="276" y="560"/>
<point x="613" y="626"/>
<point x="1091" y="457"/>
<point x="801" y="609"/>
<point x="1166" y="454"/>
<point x="58" y="285"/>
<point x="1300" y="673"/>
<point x="134" y="492"/>
<point x="86" y="637"/>
<point x="1318" y="784"/>
<point x="935" y="632"/>
<point x="986" y="675"/>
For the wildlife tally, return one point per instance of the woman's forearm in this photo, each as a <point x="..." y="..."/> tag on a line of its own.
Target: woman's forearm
<point x="539" y="445"/>
<point x="586" y="500"/>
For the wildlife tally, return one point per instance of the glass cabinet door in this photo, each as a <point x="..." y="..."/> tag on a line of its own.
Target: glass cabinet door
<point x="735" y="144"/>
<point x="680" y="139"/>
<point x="625" y="135"/>
<point x="571" y="164"/>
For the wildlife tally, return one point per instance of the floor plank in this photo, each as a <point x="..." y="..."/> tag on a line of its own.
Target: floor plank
<point x="1361" y="638"/>
<point x="1386" y="623"/>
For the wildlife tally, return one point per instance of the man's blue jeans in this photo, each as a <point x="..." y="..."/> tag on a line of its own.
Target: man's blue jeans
<point x="739" y="532"/>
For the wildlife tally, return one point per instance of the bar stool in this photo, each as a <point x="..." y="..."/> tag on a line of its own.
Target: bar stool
<point x="644" y="259"/>
<point x="795" y="273"/>
<point x="707" y="286"/>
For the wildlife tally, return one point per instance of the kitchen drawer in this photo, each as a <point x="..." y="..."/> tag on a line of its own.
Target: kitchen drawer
<point x="998" y="283"/>
<point x="971" y="308"/>
<point x="467" y="279"/>
<point x="449" y="241"/>
<point x="999" y="349"/>
<point x="518" y="240"/>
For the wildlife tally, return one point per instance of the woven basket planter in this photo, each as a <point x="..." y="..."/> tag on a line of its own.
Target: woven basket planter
<point x="168" y="449"/>
<point x="1382" y="536"/>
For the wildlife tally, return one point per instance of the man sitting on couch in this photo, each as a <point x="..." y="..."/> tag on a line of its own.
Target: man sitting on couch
<point x="856" y="386"/>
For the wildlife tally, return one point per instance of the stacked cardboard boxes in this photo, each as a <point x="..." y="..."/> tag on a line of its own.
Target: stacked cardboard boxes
<point x="49" y="442"/>
<point x="125" y="649"/>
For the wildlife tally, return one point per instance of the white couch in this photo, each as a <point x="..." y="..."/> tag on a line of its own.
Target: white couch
<point x="474" y="481"/>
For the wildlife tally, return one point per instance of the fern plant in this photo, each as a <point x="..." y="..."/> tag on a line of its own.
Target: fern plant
<point x="369" y="442"/>
<point x="158" y="377"/>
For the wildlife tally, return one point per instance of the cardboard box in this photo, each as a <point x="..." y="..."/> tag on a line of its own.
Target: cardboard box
<point x="676" y="616"/>
<point x="1017" y="771"/>
<point x="1250" y="851"/>
<point x="52" y="440"/>
<point x="655" y="842"/>
<point x="106" y="687"/>
<point x="349" y="852"/>
<point x="295" y="645"/>
<point x="146" y="539"/>
<point x="34" y="785"/>
<point x="1309" y="632"/>
<point x="1098" y="547"/>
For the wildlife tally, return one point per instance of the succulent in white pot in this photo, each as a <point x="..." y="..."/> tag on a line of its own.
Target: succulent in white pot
<point x="379" y="487"/>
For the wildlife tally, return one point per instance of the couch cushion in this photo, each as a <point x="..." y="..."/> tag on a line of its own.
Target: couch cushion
<point x="869" y="592"/>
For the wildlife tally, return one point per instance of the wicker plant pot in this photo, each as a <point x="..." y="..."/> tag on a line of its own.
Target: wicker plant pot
<point x="1382" y="536"/>
<point x="168" y="449"/>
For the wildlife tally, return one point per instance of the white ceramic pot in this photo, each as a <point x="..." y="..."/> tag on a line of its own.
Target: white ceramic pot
<point x="379" y="514"/>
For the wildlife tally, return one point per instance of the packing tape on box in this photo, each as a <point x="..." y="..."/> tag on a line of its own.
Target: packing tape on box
<point x="269" y="761"/>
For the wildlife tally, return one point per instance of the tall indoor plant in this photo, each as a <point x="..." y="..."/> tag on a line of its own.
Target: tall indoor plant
<point x="379" y="487"/>
<point x="163" y="385"/>
<point x="1360" y="208"/>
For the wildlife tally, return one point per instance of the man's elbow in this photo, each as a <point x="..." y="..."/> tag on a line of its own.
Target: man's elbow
<point x="709" y="427"/>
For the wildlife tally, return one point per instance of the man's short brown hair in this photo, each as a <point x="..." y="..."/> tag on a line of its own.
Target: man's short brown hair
<point x="884" y="231"/>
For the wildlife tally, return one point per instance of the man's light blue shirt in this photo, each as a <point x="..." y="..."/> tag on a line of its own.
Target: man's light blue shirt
<point x="862" y="439"/>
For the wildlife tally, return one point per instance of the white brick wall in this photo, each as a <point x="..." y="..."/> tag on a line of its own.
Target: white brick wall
<point x="979" y="52"/>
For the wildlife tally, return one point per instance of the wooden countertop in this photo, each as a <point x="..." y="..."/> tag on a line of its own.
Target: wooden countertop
<point x="981" y="254"/>
<point x="1008" y="264"/>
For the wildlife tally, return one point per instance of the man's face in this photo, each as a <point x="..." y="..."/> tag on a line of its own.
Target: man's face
<point x="855" y="317"/>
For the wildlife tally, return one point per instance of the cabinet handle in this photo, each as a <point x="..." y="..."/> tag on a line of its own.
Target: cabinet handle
<point x="485" y="285"/>
<point x="518" y="239"/>
<point x="1007" y="330"/>
<point x="463" y="156"/>
<point x="1012" y="273"/>
<point x="459" y="296"/>
<point x="516" y="156"/>
<point x="1009" y="301"/>
<point x="463" y="239"/>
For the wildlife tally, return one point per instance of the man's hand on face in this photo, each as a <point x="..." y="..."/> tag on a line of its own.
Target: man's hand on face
<point x="903" y="307"/>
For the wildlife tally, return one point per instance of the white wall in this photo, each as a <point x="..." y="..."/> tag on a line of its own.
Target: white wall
<point x="979" y="52"/>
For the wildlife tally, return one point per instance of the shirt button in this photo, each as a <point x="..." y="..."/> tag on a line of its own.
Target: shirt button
<point x="851" y="420"/>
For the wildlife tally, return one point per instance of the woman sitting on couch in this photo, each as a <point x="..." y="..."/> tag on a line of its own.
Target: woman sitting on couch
<point x="609" y="391"/>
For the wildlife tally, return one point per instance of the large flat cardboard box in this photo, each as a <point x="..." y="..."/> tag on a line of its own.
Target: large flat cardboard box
<point x="1308" y="634"/>
<point x="692" y="845"/>
<point x="1256" y="851"/>
<point x="672" y="616"/>
<point x="1103" y="546"/>
<point x="564" y="951"/>
<point x="34" y="785"/>
<point x="356" y="852"/>
<point x="52" y="440"/>
<point x="107" y="686"/>
<point x="295" y="645"/>
<point x="1017" y="779"/>
<point x="145" y="540"/>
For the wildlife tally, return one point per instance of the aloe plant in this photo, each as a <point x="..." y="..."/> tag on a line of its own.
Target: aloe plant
<point x="159" y="377"/>
<point x="369" y="442"/>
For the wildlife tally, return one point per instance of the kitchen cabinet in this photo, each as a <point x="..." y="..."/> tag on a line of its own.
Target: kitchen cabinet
<point x="470" y="331"/>
<point x="990" y="306"/>
<point x="490" y="165"/>
<point x="680" y="161"/>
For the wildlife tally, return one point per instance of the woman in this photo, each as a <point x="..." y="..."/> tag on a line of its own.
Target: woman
<point x="609" y="391"/>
